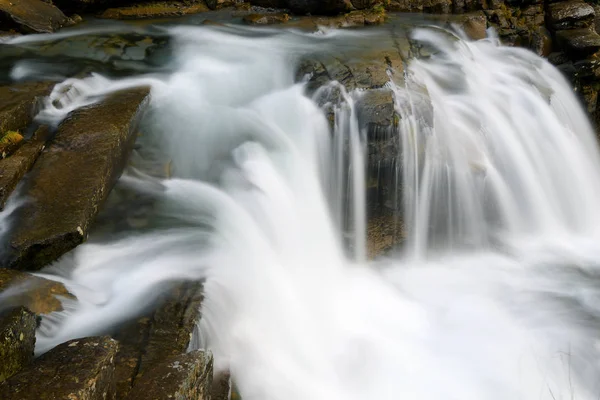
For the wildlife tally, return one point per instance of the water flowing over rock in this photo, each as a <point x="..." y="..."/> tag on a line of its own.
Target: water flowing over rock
<point x="72" y="178"/>
<point x="37" y="294"/>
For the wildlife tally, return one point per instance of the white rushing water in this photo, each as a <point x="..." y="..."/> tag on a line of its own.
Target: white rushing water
<point x="497" y="296"/>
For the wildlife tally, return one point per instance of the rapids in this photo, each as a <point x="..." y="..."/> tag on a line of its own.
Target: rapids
<point x="496" y="294"/>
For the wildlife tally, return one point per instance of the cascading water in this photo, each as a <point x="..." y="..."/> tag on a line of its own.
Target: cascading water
<point x="498" y="296"/>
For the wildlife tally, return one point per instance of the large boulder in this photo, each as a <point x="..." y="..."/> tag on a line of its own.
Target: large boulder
<point x="578" y="43"/>
<point x="570" y="15"/>
<point x="29" y="16"/>
<point x="42" y="296"/>
<point x="81" y="369"/>
<point x="17" y="341"/>
<point x="184" y="377"/>
<point x="72" y="178"/>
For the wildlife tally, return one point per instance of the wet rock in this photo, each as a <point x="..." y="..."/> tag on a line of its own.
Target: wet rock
<point x="18" y="164"/>
<point x="9" y="142"/>
<point x="42" y="296"/>
<point x="18" y="103"/>
<point x="318" y="7"/>
<point x="17" y="341"/>
<point x="221" y="386"/>
<point x="266" y="19"/>
<point x="215" y="4"/>
<point x="384" y="233"/>
<point x="474" y="25"/>
<point x="154" y="10"/>
<point x="186" y="377"/>
<point x="376" y="110"/>
<point x="31" y="16"/>
<point x="570" y="15"/>
<point x="72" y="178"/>
<point x="166" y="332"/>
<point x="428" y="6"/>
<point x="578" y="43"/>
<point x="173" y="324"/>
<point x="541" y="42"/>
<point x="81" y="369"/>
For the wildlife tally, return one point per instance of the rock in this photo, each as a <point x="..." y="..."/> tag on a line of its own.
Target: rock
<point x="221" y="386"/>
<point x="578" y="43"/>
<point x="42" y="296"/>
<point x="541" y="42"/>
<point x="428" y="6"/>
<point x="215" y="4"/>
<point x="318" y="7"/>
<point x="167" y="332"/>
<point x="376" y="110"/>
<point x="18" y="164"/>
<point x="9" y="142"/>
<point x="18" y="103"/>
<point x="173" y="324"/>
<point x="154" y="10"/>
<point x="570" y="15"/>
<point x="384" y="233"/>
<point x="266" y="19"/>
<point x="17" y="341"/>
<point x="31" y="16"/>
<point x="474" y="25"/>
<point x="185" y="377"/>
<point x="72" y="178"/>
<point x="81" y="369"/>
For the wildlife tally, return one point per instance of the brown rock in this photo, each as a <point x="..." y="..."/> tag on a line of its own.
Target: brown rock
<point x="18" y="164"/>
<point x="72" y="178"/>
<point x="221" y="386"/>
<point x="216" y="4"/>
<point x="172" y="325"/>
<point x="266" y="19"/>
<point x="9" y="142"/>
<point x="154" y="10"/>
<point x="474" y="25"/>
<point x="578" y="43"/>
<point x="570" y="15"/>
<point x="17" y="341"/>
<point x="31" y="16"/>
<point x="185" y="377"/>
<point x="18" y="103"/>
<point x="42" y="296"/>
<point x="81" y="369"/>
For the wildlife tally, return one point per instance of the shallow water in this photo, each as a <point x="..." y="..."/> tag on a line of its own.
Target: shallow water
<point x="496" y="293"/>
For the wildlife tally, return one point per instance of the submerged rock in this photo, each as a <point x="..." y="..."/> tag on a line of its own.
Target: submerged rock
<point x="154" y="10"/>
<point x="72" y="178"/>
<point x="17" y="341"/>
<point x="42" y="296"/>
<point x="29" y="16"/>
<point x="81" y="369"/>
<point x="185" y="377"/>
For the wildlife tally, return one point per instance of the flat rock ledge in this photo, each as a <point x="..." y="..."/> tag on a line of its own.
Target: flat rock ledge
<point x="72" y="178"/>
<point x="81" y="369"/>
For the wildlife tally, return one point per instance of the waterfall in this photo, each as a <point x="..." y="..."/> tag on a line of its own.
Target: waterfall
<point x="495" y="297"/>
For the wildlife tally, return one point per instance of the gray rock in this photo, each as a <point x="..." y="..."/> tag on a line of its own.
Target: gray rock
<point x="183" y="377"/>
<point x="578" y="43"/>
<point x="17" y="341"/>
<point x="72" y="178"/>
<point x="81" y="369"/>
<point x="570" y="15"/>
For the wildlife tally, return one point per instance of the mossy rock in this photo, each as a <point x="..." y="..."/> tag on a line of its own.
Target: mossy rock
<point x="9" y="142"/>
<point x="17" y="341"/>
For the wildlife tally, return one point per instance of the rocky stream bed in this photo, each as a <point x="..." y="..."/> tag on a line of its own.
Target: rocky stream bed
<point x="68" y="173"/>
